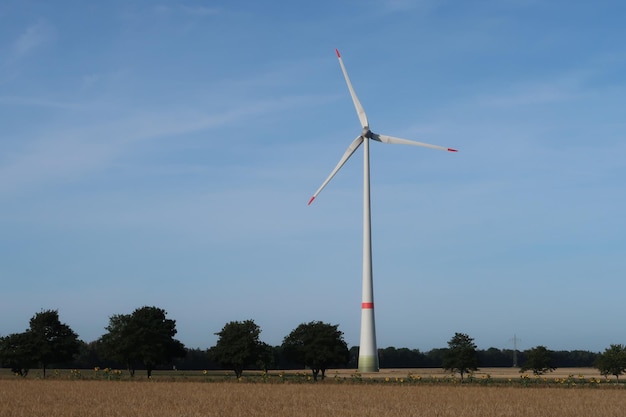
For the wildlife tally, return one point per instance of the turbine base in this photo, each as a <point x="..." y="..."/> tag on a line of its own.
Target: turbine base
<point x="368" y="364"/>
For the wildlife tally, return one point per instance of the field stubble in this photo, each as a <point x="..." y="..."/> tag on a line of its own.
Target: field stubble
<point x="86" y="398"/>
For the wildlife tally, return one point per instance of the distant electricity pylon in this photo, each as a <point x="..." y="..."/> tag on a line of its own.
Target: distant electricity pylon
<point x="515" y="340"/>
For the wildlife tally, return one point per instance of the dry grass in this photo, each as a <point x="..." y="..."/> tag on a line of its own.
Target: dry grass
<point x="85" y="398"/>
<point x="499" y="373"/>
<point x="495" y="373"/>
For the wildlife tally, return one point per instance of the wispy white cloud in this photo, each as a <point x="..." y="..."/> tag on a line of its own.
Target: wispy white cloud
<point x="595" y="74"/>
<point x="162" y="9"/>
<point x="68" y="153"/>
<point x="188" y="10"/>
<point x="560" y="87"/>
<point x="35" y="102"/>
<point x="200" y="10"/>
<point x="404" y="5"/>
<point x="529" y="94"/>
<point x="35" y="36"/>
<point x="89" y="80"/>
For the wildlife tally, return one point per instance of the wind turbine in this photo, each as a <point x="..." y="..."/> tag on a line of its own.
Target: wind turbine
<point x="368" y="354"/>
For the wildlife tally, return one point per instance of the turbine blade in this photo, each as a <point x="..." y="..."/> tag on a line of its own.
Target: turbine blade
<point x="357" y="104"/>
<point x="399" y="141"/>
<point x="353" y="147"/>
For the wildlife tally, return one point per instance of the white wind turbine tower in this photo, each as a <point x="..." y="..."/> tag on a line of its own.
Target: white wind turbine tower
<point x="368" y="354"/>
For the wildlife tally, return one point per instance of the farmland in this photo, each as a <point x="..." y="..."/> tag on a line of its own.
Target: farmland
<point x="497" y="375"/>
<point x="177" y="394"/>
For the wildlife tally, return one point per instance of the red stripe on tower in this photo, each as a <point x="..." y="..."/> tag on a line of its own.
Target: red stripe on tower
<point x="367" y="305"/>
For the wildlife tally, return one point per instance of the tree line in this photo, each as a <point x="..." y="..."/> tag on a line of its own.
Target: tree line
<point x="145" y="339"/>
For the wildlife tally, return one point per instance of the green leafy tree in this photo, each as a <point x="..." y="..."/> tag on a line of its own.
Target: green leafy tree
<point x="146" y="336"/>
<point x="461" y="355"/>
<point x="401" y="358"/>
<point x="118" y="343"/>
<point x="266" y="358"/>
<point x="238" y="346"/>
<point x="434" y="357"/>
<point x="316" y="345"/>
<point x="612" y="361"/>
<point x="87" y="357"/>
<point x="16" y="353"/>
<point x="156" y="336"/>
<point x="539" y="360"/>
<point x="51" y="341"/>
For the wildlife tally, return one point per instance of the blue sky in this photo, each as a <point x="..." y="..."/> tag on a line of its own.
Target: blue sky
<point x="162" y="153"/>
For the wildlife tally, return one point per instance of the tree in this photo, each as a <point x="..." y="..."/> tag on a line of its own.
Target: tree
<point x="316" y="345"/>
<point x="434" y="357"/>
<point x="265" y="358"/>
<point x="401" y="358"/>
<point x="88" y="356"/>
<point x="461" y="355"/>
<point x="49" y="340"/>
<point x="154" y="335"/>
<point x="196" y="358"/>
<point x="146" y="336"/>
<point x="16" y="353"/>
<point x="573" y="358"/>
<point x="612" y="361"/>
<point x="238" y="346"/>
<point x="538" y="360"/>
<point x="118" y="343"/>
<point x="494" y="357"/>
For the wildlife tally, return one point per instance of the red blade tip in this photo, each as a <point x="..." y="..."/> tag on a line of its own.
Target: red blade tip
<point x="310" y="201"/>
<point x="338" y="55"/>
<point x="452" y="150"/>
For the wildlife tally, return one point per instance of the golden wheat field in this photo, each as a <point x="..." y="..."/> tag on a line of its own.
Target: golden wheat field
<point x="155" y="398"/>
